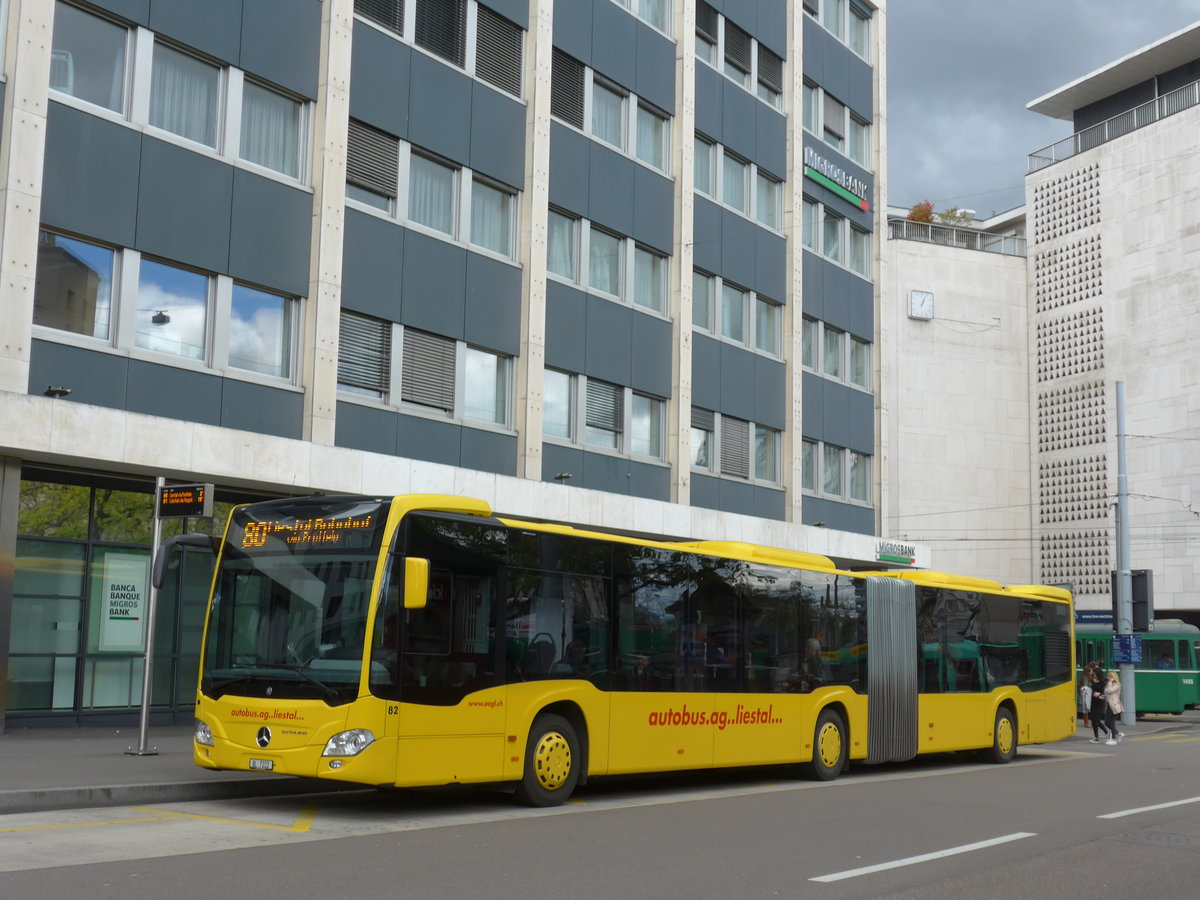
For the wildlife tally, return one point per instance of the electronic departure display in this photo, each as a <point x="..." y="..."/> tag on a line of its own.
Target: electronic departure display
<point x="308" y="525"/>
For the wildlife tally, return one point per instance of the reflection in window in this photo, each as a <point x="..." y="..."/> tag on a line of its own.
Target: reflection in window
<point x="87" y="58"/>
<point x="172" y="314"/>
<point x="73" y="291"/>
<point x="270" y="129"/>
<point x="831" y="470"/>
<point x="184" y="95"/>
<point x="486" y="394"/>
<point x="557" y="408"/>
<point x="650" y="279"/>
<point x="645" y="426"/>
<point x="260" y="332"/>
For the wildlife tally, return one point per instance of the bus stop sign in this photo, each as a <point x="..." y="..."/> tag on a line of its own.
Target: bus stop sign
<point x="1127" y="648"/>
<point x="179" y="500"/>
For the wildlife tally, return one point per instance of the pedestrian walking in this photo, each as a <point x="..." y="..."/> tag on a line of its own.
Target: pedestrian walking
<point x="1085" y="695"/>
<point x="1098" y="704"/>
<point x="1112" y="707"/>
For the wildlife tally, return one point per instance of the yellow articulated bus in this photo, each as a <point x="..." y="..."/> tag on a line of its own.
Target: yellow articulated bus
<point x="423" y="640"/>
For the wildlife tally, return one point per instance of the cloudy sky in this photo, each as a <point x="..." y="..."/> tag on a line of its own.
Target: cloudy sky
<point x="961" y="71"/>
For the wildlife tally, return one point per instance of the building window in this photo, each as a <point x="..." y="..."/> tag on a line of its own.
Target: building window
<point x="735" y="447"/>
<point x="703" y="428"/>
<point x="746" y="61"/>
<point x="832" y="476"/>
<point x="735" y="173"/>
<point x="650" y="280"/>
<point x="860" y="477"/>
<point x="707" y="32"/>
<point x="364" y="354"/>
<point x="432" y="198"/>
<point x="427" y="375"/>
<point x="841" y="474"/>
<point x="562" y="245"/>
<point x="762" y="332"/>
<point x="808" y="465"/>
<point x="770" y="77"/>
<point x="809" y="351"/>
<point x="653" y="138"/>
<point x="839" y="127"/>
<point x="604" y="262"/>
<point x="833" y="14"/>
<point x="441" y="28"/>
<point x="833" y="353"/>
<point x="388" y="13"/>
<point x="860" y="33"/>
<point x="860" y="252"/>
<point x="492" y="210"/>
<point x="485" y="396"/>
<point x="271" y="126"/>
<point x="704" y="176"/>
<point x="738" y="50"/>
<point x="172" y="314"/>
<point x="605" y="414"/>
<point x="73" y="289"/>
<point x="832" y="226"/>
<point x="646" y="425"/>
<point x="766" y="454"/>
<point x="811" y="97"/>
<point x="768" y="197"/>
<point x="499" y="46"/>
<point x="558" y="406"/>
<point x="260" y="331"/>
<point x="88" y="57"/>
<point x="652" y="12"/>
<point x="702" y="300"/>
<point x="859" y="148"/>
<point x="608" y="115"/>
<point x="860" y="362"/>
<point x="833" y="118"/>
<point x="730" y="183"/>
<point x="185" y="95"/>
<point x="372" y="166"/>
<point x="733" y="313"/>
<point x="812" y="214"/>
<point x="768" y="317"/>
<point x="568" y="78"/>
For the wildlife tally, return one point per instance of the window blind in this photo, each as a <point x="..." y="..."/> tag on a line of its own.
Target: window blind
<point x="770" y="69"/>
<point x="442" y="28"/>
<point x="835" y="116"/>
<point x="388" y="13"/>
<point x="737" y="47"/>
<point x="364" y="352"/>
<point x="427" y="375"/>
<point x="566" y="89"/>
<point x="605" y="405"/>
<point x="735" y="447"/>
<point x="498" y="51"/>
<point x="372" y="159"/>
<point x="706" y="22"/>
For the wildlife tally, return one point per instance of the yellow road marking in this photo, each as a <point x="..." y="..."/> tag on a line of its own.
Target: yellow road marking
<point x="300" y="826"/>
<point x="1154" y="737"/>
<point x="84" y="824"/>
<point x="1184" y="740"/>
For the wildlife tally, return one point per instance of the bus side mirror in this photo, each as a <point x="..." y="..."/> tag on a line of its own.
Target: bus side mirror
<point x="199" y="541"/>
<point x="416" y="582"/>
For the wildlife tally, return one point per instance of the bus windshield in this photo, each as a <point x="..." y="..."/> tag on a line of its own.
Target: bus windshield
<point x="290" y="603"/>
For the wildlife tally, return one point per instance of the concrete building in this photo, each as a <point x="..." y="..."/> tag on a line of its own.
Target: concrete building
<point x="607" y="261"/>
<point x="1114" y="249"/>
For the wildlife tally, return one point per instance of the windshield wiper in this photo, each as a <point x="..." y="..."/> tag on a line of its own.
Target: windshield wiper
<point x="330" y="692"/>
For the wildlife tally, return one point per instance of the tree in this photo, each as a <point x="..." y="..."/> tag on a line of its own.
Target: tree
<point x="955" y="216"/>
<point x="921" y="212"/>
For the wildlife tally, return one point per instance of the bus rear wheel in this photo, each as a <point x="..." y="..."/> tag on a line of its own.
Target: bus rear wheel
<point x="829" y="747"/>
<point x="552" y="761"/>
<point x="1004" y="738"/>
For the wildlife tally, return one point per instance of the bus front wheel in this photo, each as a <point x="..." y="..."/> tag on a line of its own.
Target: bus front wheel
<point x="1004" y="738"/>
<point x="552" y="761"/>
<point x="829" y="747"/>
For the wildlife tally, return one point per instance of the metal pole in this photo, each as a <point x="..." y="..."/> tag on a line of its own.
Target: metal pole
<point x="151" y="611"/>
<point x="1124" y="623"/>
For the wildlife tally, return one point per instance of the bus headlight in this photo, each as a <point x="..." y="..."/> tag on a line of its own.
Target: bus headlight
<point x="349" y="743"/>
<point x="203" y="734"/>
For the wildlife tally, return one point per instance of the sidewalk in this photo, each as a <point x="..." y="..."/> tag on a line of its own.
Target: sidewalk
<point x="75" y="768"/>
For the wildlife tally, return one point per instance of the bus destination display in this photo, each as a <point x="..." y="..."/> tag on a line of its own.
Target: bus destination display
<point x="314" y="532"/>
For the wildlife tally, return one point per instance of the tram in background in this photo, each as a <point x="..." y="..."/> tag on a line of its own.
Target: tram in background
<point x="1168" y="678"/>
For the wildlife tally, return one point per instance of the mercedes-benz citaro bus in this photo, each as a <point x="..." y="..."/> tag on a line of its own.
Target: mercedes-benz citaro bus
<point x="423" y="640"/>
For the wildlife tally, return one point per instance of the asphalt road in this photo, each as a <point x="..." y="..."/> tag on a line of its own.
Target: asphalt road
<point x="1066" y="820"/>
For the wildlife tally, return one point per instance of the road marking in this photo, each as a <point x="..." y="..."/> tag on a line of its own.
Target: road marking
<point x="924" y="857"/>
<point x="1142" y="809"/>
<point x="84" y="824"/>
<point x="1183" y="741"/>
<point x="300" y="826"/>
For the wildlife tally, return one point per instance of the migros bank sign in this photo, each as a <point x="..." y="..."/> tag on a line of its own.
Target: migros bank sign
<point x="836" y="179"/>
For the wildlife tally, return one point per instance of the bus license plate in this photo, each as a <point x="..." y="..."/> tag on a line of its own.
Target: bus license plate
<point x="264" y="764"/>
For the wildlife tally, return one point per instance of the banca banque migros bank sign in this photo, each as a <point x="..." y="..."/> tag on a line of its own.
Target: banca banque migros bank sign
<point x="836" y="179"/>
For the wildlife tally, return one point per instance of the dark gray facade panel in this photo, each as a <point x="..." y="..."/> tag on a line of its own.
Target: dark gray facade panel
<point x="770" y="504"/>
<point x="1120" y="102"/>
<point x="738" y="497"/>
<point x="439" y="109"/>
<point x="651" y="361"/>
<point x="614" y="42"/>
<point x="862" y="422"/>
<point x="737" y="382"/>
<point x="862" y="308"/>
<point x="428" y="439"/>
<point x="261" y="409"/>
<point x="771" y="29"/>
<point x="825" y="60"/>
<point x="281" y="40"/>
<point x="770" y="264"/>
<point x="90" y="179"/>
<point x="610" y="189"/>
<point x="706" y="491"/>
<point x="653" y="209"/>
<point x="559" y="460"/>
<point x="837" y="296"/>
<point x="835" y="413"/>
<point x="813" y="277"/>
<point x="838" y="516"/>
<point x="861" y="95"/>
<point x="739" y="120"/>
<point x="271" y="234"/>
<point x="706" y="372"/>
<point x="433" y="285"/>
<point x="488" y="451"/>
<point x="738" y="255"/>
<point x="184" y="206"/>
<point x="813" y="411"/>
<point x="566" y="327"/>
<point x="655" y="69"/>
<point x="493" y="305"/>
<point x="514" y="10"/>
<point x="134" y="10"/>
<point x="770" y="142"/>
<point x="573" y="29"/>
<point x="770" y="393"/>
<point x="604" y="473"/>
<point x="372" y="265"/>
<point x="213" y="27"/>
<point x="609" y="341"/>
<point x="365" y="428"/>
<point x="497" y="136"/>
<point x="651" y="482"/>
<point x="97" y="379"/>
<point x="706" y="229"/>
<point x="380" y="68"/>
<point x="709" y="101"/>
<point x="570" y="162"/>
<point x="1178" y="77"/>
<point x="173" y="393"/>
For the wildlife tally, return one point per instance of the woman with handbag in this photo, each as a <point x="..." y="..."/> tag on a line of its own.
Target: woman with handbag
<point x="1113" y="707"/>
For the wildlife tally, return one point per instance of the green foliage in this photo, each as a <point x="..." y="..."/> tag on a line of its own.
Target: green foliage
<point x="954" y="216"/>
<point x="921" y="212"/>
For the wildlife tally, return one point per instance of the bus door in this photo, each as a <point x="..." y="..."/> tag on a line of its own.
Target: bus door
<point x="891" y="670"/>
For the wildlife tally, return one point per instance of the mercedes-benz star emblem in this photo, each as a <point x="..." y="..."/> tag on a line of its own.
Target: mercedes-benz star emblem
<point x="264" y="736"/>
